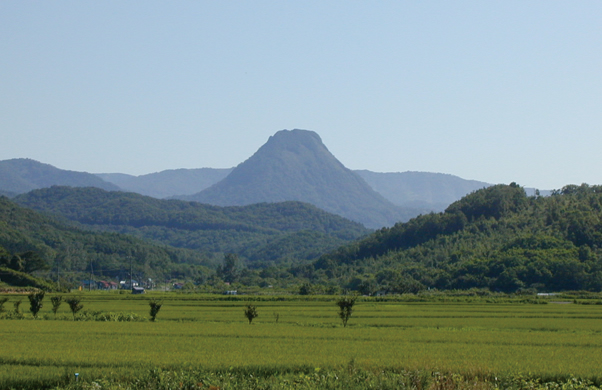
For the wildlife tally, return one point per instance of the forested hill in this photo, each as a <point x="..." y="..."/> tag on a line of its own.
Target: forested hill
<point x="264" y="232"/>
<point x="68" y="251"/>
<point x="496" y="238"/>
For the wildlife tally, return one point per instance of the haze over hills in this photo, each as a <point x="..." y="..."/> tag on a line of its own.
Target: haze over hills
<point x="295" y="165"/>
<point x="22" y="175"/>
<point x="168" y="183"/>
<point x="422" y="190"/>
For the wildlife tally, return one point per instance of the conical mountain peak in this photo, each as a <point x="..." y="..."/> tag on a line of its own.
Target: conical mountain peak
<point x="296" y="165"/>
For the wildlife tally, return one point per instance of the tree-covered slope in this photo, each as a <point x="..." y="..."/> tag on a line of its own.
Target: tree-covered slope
<point x="250" y="231"/>
<point x="68" y="250"/>
<point x="496" y="238"/>
<point x="22" y="175"/>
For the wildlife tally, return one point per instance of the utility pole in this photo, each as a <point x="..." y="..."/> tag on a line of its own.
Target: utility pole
<point x="131" y="285"/>
<point x="91" y="275"/>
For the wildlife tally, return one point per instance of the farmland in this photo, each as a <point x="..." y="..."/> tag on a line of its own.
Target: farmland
<point x="209" y="334"/>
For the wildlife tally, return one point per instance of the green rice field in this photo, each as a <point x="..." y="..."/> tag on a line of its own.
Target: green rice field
<point x="210" y="334"/>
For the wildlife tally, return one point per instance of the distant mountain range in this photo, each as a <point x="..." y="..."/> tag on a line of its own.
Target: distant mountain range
<point x="420" y="190"/>
<point x="168" y="183"/>
<point x="22" y="175"/>
<point x="292" y="165"/>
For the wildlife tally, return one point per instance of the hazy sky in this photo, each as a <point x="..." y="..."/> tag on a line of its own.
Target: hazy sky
<point x="496" y="91"/>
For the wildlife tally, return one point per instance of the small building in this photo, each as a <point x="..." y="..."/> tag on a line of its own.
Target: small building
<point x="231" y="292"/>
<point x="138" y="290"/>
<point x="103" y="285"/>
<point x="88" y="285"/>
<point x="125" y="284"/>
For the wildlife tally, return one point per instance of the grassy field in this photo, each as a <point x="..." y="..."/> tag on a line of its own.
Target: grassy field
<point x="204" y="334"/>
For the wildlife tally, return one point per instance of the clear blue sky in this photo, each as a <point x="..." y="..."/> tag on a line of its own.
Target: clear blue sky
<point x="497" y="91"/>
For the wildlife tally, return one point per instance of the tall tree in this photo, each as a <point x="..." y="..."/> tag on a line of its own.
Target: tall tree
<point x="229" y="271"/>
<point x="345" y="305"/>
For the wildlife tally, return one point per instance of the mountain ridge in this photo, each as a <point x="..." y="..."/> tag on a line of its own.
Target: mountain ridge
<point x="168" y="183"/>
<point x="22" y="175"/>
<point x="386" y="198"/>
<point x="427" y="190"/>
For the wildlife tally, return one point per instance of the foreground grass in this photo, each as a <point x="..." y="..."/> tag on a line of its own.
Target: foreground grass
<point x="386" y="345"/>
<point x="349" y="378"/>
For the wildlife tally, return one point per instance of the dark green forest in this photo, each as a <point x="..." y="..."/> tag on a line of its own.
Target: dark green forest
<point x="496" y="238"/>
<point x="261" y="235"/>
<point x="34" y="243"/>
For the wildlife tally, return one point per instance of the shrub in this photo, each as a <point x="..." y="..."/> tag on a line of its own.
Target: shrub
<point x="111" y="317"/>
<point x="251" y="312"/>
<point x="154" y="308"/>
<point x="35" y="302"/>
<point x="345" y="305"/>
<point x="56" y="303"/>
<point x="75" y="305"/>
<point x="306" y="289"/>
<point x="17" y="305"/>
